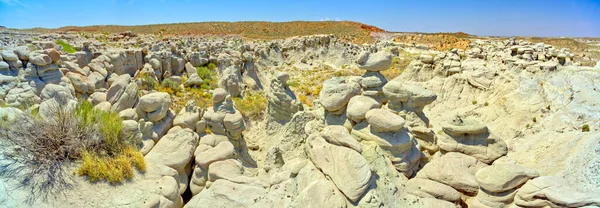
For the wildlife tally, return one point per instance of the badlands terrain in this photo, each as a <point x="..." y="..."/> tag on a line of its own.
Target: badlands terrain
<point x="255" y="114"/>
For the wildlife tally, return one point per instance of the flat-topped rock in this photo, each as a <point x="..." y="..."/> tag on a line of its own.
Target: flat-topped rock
<point x="407" y="96"/>
<point x="472" y="138"/>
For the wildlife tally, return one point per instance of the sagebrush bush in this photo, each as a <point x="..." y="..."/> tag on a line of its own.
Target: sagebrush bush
<point x="168" y="86"/>
<point x="39" y="150"/>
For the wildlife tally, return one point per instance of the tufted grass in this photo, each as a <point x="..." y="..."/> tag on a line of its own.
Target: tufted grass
<point x="116" y="157"/>
<point x="113" y="169"/>
<point x="109" y="125"/>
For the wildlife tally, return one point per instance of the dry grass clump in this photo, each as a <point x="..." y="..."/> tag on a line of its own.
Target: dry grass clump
<point x="252" y="105"/>
<point x="38" y="151"/>
<point x="113" y="169"/>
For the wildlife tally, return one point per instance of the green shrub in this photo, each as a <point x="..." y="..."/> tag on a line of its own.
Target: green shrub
<point x="208" y="75"/>
<point x="534" y="119"/>
<point x="585" y="128"/>
<point x="474" y="102"/>
<point x="252" y="105"/>
<point x="66" y="47"/>
<point x="170" y="84"/>
<point x="486" y="104"/>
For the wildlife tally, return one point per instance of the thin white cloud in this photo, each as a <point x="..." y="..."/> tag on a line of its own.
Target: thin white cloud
<point x="14" y="3"/>
<point x="327" y="19"/>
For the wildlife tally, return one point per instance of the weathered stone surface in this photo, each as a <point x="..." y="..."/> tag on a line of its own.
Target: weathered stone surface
<point x="504" y="177"/>
<point x="128" y="99"/>
<point x="553" y="191"/>
<point x="174" y="150"/>
<point x="222" y="151"/>
<point x="455" y="170"/>
<point x="40" y="59"/>
<point x="339" y="135"/>
<point x="407" y="96"/>
<point x="188" y="116"/>
<point x="472" y="138"/>
<point x="432" y="189"/>
<point x="346" y="167"/>
<point x="218" y="95"/>
<point x="223" y="193"/>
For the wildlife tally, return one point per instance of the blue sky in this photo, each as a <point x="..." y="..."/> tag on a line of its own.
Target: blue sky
<point x="481" y="17"/>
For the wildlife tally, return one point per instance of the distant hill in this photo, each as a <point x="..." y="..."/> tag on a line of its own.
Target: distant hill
<point x="352" y="31"/>
<point x="438" y="41"/>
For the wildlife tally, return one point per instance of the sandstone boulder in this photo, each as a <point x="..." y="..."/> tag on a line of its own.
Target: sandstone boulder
<point x="384" y="120"/>
<point x="379" y="61"/>
<point x="358" y="107"/>
<point x="336" y="93"/>
<point x="154" y="106"/>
